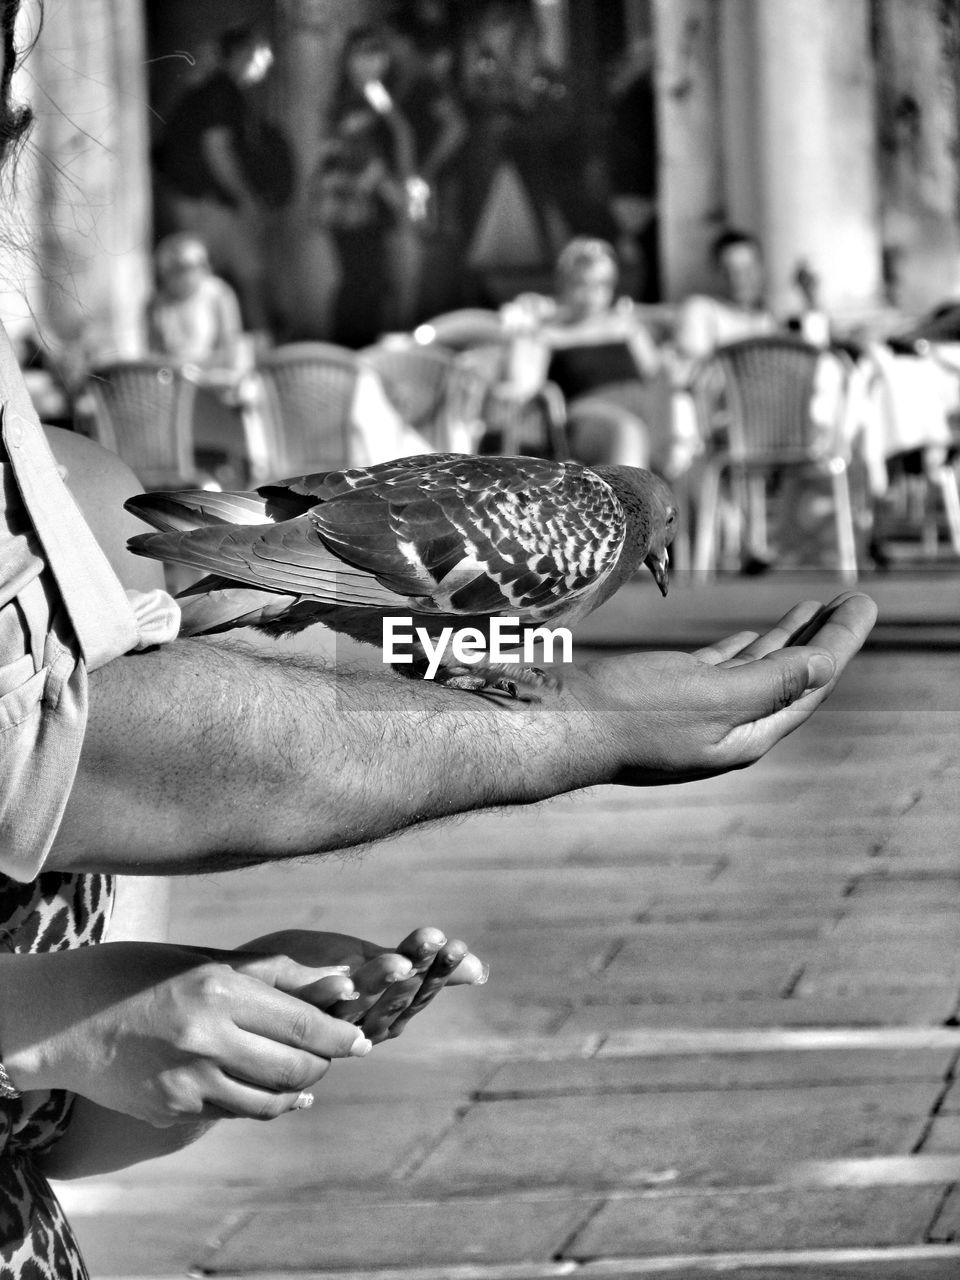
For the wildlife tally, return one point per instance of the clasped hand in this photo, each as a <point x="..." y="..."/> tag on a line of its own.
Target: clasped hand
<point x="173" y="1034"/>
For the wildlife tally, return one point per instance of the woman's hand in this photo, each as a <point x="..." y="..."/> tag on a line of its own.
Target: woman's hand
<point x="385" y="987"/>
<point x="167" y="1033"/>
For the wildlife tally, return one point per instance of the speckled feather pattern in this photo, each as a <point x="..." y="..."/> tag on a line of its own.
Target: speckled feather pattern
<point x="472" y="536"/>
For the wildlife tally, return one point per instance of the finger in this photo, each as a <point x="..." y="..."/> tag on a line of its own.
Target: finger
<point x="326" y="992"/>
<point x="421" y="946"/>
<point x="286" y="1020"/>
<point x="775" y="678"/>
<point x="805" y="633"/>
<point x="448" y="958"/>
<point x="250" y="1060"/>
<point x="721" y="650"/>
<point x="379" y="1018"/>
<point x="232" y="1099"/>
<point x="471" y="972"/>
<point x="281" y="971"/>
<point x="370" y="982"/>
<point x="800" y="621"/>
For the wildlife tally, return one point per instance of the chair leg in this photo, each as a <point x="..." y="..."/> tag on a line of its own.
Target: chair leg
<point x="757" y="543"/>
<point x="946" y="481"/>
<point x="705" y="541"/>
<point x="736" y="519"/>
<point x="846" y="534"/>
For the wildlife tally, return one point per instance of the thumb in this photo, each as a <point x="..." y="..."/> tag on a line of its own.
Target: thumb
<point x="759" y="689"/>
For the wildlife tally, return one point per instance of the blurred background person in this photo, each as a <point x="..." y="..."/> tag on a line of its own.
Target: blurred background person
<point x="193" y="316"/>
<point x="531" y="177"/>
<point x="739" y="307"/>
<point x="633" y="160"/>
<point x="209" y="161"/>
<point x="359" y="190"/>
<point x="425" y="59"/>
<point x="595" y="347"/>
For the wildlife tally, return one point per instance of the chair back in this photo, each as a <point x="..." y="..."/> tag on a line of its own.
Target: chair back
<point x="307" y="394"/>
<point x="459" y="330"/>
<point x="416" y="380"/>
<point x="756" y="395"/>
<point x="143" y="411"/>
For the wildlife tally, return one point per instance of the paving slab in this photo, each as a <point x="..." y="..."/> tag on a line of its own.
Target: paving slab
<point x="946" y="1226"/>
<point x="156" y="1243"/>
<point x="715" y="1071"/>
<point x="821" y="1264"/>
<point x="757" y="1218"/>
<point x="861" y="1009"/>
<point x="412" y="1233"/>
<point x="708" y="1138"/>
<point x="659" y="962"/>
<point x="944" y="1134"/>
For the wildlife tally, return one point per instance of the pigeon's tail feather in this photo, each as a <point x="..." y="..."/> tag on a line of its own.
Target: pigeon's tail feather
<point x="230" y="607"/>
<point x="190" y="509"/>
<point x="287" y="558"/>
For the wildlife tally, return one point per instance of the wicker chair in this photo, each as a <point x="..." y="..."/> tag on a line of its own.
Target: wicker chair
<point x="754" y="401"/>
<point x="143" y="411"/>
<point x="307" y="393"/>
<point x="416" y="380"/>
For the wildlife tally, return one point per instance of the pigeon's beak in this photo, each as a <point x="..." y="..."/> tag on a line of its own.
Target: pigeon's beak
<point x="658" y="564"/>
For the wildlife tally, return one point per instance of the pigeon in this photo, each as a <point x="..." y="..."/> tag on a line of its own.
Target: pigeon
<point x="440" y="540"/>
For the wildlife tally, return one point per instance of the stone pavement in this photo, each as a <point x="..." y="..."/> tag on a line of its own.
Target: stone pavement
<point x="720" y="1035"/>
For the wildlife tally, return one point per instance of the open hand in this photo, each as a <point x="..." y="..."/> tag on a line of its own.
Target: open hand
<point x="674" y="717"/>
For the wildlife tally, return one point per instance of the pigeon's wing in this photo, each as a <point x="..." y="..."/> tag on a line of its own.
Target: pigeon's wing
<point x="176" y="512"/>
<point x="474" y="536"/>
<point x="289" y="558"/>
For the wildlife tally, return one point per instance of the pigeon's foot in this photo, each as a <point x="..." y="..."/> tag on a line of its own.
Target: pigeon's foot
<point x="504" y="677"/>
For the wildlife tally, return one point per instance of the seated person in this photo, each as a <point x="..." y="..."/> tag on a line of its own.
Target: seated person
<point x="601" y="356"/>
<point x="738" y="311"/>
<point x="194" y="316"/>
<point x="708" y="321"/>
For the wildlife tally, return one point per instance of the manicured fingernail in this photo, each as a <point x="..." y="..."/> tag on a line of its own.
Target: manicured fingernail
<point x="304" y="1102"/>
<point x="820" y="670"/>
<point x="484" y="975"/>
<point x="399" y="974"/>
<point x="360" y="1047"/>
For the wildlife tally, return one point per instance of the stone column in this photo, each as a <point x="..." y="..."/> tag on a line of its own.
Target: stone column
<point x="690" y="140"/>
<point x="918" y="50"/>
<point x="799" y="93"/>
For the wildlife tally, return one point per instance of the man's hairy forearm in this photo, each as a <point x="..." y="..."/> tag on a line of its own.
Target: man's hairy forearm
<point x="199" y="755"/>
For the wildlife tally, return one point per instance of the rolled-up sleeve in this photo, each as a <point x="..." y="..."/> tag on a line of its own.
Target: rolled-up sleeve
<point x="63" y="613"/>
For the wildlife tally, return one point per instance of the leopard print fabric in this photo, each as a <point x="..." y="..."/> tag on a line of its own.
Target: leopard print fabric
<point x="54" y="913"/>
